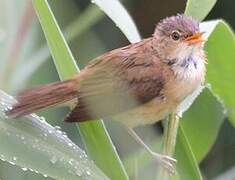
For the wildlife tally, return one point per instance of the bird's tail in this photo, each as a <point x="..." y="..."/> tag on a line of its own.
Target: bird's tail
<point x="40" y="97"/>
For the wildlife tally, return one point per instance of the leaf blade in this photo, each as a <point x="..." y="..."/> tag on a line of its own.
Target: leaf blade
<point x="220" y="74"/>
<point x="187" y="167"/>
<point x="34" y="137"/>
<point x="202" y="130"/>
<point x="199" y="9"/>
<point x="62" y="57"/>
<point x="120" y="17"/>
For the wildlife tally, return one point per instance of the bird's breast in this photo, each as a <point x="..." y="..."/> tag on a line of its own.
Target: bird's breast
<point x="189" y="75"/>
<point x="177" y="88"/>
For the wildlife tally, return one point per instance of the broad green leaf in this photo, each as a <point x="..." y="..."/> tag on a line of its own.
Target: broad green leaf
<point x="221" y="61"/>
<point x="199" y="9"/>
<point x="187" y="167"/>
<point x="202" y="128"/>
<point x="119" y="15"/>
<point x="94" y="135"/>
<point x="35" y="145"/>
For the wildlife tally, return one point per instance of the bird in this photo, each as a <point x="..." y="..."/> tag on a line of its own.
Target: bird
<point x="139" y="84"/>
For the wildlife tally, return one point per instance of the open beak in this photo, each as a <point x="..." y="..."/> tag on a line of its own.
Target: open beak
<point x="194" y="39"/>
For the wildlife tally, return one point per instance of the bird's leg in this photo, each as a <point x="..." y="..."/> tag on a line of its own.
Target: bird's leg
<point x="166" y="161"/>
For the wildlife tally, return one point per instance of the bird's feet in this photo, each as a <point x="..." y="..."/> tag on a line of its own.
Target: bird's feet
<point x="165" y="161"/>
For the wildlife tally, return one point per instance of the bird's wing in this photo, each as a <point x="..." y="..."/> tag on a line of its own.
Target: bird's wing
<point x="118" y="81"/>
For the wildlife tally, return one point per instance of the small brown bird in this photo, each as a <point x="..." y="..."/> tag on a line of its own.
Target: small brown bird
<point x="137" y="85"/>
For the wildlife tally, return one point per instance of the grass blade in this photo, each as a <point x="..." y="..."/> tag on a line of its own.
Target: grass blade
<point x="59" y="48"/>
<point x="120" y="17"/>
<point x="199" y="9"/>
<point x="59" y="158"/>
<point x="95" y="137"/>
<point x="187" y="167"/>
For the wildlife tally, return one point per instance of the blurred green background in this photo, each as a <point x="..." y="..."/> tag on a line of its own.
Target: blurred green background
<point x="20" y="46"/>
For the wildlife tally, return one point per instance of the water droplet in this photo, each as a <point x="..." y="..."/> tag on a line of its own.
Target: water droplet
<point x="53" y="159"/>
<point x="88" y="172"/>
<point x="2" y="156"/>
<point x="31" y="170"/>
<point x="22" y="137"/>
<point x="24" y="168"/>
<point x="12" y="163"/>
<point x="14" y="158"/>
<point x="57" y="127"/>
<point x="9" y="108"/>
<point x="45" y="175"/>
<point x="59" y="131"/>
<point x="81" y="156"/>
<point x="65" y="135"/>
<point x="5" y="109"/>
<point x="70" y="144"/>
<point x="42" y="119"/>
<point x="50" y="131"/>
<point x="71" y="161"/>
<point x="79" y="172"/>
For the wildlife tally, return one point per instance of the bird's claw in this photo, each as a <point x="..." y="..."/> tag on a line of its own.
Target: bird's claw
<point x="167" y="162"/>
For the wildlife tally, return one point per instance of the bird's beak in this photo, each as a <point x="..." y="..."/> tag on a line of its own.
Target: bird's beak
<point x="194" y="39"/>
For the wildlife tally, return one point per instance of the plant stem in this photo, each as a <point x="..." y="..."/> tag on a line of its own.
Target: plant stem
<point x="170" y="136"/>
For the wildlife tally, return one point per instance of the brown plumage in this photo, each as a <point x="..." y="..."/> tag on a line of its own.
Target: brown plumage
<point x="115" y="82"/>
<point x="40" y="97"/>
<point x="118" y="81"/>
<point x="146" y="79"/>
<point x="138" y="84"/>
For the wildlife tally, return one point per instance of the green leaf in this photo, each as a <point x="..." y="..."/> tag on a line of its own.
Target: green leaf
<point x="94" y="135"/>
<point x="202" y="128"/>
<point x="220" y="69"/>
<point x="120" y="17"/>
<point x="64" y="61"/>
<point x="33" y="144"/>
<point x="187" y="166"/>
<point x="199" y="9"/>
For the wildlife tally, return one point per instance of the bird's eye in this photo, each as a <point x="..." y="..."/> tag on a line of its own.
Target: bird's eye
<point x="175" y="35"/>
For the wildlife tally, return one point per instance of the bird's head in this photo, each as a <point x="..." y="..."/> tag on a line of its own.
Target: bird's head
<point x="177" y="37"/>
